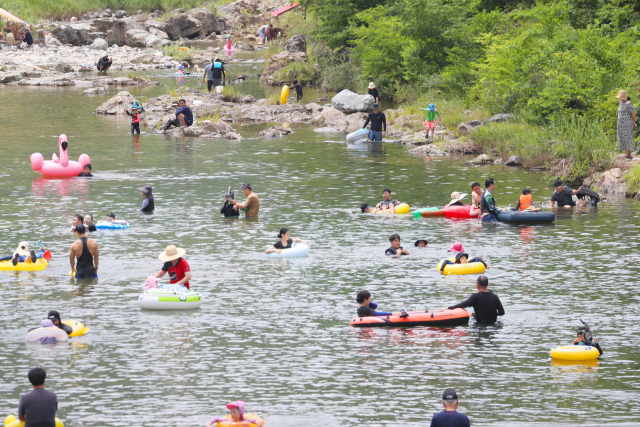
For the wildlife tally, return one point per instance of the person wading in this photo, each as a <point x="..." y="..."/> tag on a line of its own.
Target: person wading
<point x="86" y="251"/>
<point x="252" y="204"/>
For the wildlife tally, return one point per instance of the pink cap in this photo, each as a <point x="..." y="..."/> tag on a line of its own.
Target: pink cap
<point x="237" y="404"/>
<point x="456" y="247"/>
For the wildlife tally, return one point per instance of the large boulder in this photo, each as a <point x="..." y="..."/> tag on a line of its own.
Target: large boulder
<point x="514" y="161"/>
<point x="141" y="38"/>
<point x="51" y="41"/>
<point x="350" y="102"/>
<point x="121" y="13"/>
<point x="182" y="25"/>
<point x="99" y="44"/>
<point x="501" y="118"/>
<point x="296" y="44"/>
<point x="74" y="34"/>
<point x="114" y="30"/>
<point x="428" y="150"/>
<point x="331" y="120"/>
<point x="117" y="104"/>
<point x="609" y="182"/>
<point x="275" y="132"/>
<point x="9" y="77"/>
<point x="95" y="91"/>
<point x="47" y="81"/>
<point x="482" y="159"/>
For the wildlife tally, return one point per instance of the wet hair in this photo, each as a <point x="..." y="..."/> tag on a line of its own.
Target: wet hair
<point x="488" y="182"/>
<point x="388" y="190"/>
<point x="295" y="81"/>
<point x="88" y="165"/>
<point x="526" y="191"/>
<point x="483" y="281"/>
<point x="80" y="217"/>
<point x="111" y="215"/>
<point x="557" y="183"/>
<point x="474" y="185"/>
<point x="37" y="376"/>
<point x="362" y="296"/>
<point x="283" y="231"/>
<point x="364" y="207"/>
<point x="182" y="100"/>
<point x="394" y="236"/>
<point x="460" y="255"/>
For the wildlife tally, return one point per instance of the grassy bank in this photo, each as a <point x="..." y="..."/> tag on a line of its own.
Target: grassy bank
<point x="35" y="10"/>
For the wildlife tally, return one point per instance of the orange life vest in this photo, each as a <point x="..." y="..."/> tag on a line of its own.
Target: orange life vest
<point x="525" y="201"/>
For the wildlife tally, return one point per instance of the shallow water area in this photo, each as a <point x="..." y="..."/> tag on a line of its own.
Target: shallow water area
<point x="275" y="332"/>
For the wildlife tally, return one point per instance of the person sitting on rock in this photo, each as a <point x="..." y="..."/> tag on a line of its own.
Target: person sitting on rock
<point x="184" y="116"/>
<point x="104" y="64"/>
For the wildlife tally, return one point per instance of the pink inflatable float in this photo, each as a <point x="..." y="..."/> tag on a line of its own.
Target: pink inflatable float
<point x="62" y="167"/>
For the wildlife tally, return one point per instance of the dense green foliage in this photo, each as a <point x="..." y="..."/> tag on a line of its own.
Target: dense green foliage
<point x="541" y="60"/>
<point x="33" y="10"/>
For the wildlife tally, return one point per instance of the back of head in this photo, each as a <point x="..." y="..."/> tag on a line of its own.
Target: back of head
<point x="450" y="398"/>
<point x="283" y="231"/>
<point x="483" y="281"/>
<point x="364" y="207"/>
<point x="526" y="191"/>
<point x="488" y="182"/>
<point x="80" y="229"/>
<point x="394" y="237"/>
<point x="363" y="296"/>
<point x="37" y="376"/>
<point x="111" y="215"/>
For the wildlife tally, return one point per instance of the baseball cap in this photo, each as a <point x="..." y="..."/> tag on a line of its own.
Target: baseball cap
<point x="449" y="394"/>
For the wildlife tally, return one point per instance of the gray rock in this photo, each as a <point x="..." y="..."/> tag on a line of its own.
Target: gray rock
<point x="95" y="91"/>
<point x="121" y="14"/>
<point x="350" y="102"/>
<point x="197" y="23"/>
<point x="51" y="41"/>
<point x="63" y="68"/>
<point x="114" y="30"/>
<point x="296" y="44"/>
<point x="30" y="71"/>
<point x="514" y="161"/>
<point x="232" y="135"/>
<point x="275" y="132"/>
<point x="47" y="81"/>
<point x="168" y="65"/>
<point x="99" y="44"/>
<point x="502" y="118"/>
<point x="192" y="131"/>
<point x="137" y="38"/>
<point x="218" y="127"/>
<point x="159" y="33"/>
<point x="117" y="104"/>
<point x="428" y="150"/>
<point x="10" y="77"/>
<point x="609" y="182"/>
<point x="474" y="123"/>
<point x="482" y="159"/>
<point x="498" y="161"/>
<point x="465" y="128"/>
<point x="107" y="13"/>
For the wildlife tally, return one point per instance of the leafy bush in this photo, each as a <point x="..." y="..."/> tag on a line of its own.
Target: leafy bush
<point x="231" y="94"/>
<point x="180" y="53"/>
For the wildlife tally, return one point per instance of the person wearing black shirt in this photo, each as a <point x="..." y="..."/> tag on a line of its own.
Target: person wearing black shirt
<point x="378" y="122"/>
<point x="486" y="304"/>
<point x="374" y="92"/>
<point x="27" y="38"/>
<point x="54" y="316"/>
<point x="388" y="205"/>
<point x="184" y="116"/>
<point x="563" y="196"/>
<point x="86" y="171"/>
<point x="229" y="209"/>
<point x="298" y="87"/>
<point x="450" y="417"/>
<point x="395" y="248"/>
<point x="79" y="219"/>
<point x="88" y="223"/>
<point x="104" y="64"/>
<point x="368" y="308"/>
<point x="284" y="242"/>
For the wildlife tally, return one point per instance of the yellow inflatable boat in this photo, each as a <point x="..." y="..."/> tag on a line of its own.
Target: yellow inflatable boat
<point x="574" y="352"/>
<point x="11" y="421"/>
<point x="39" y="265"/>
<point x="402" y="208"/>
<point x="78" y="328"/>
<point x="469" y="268"/>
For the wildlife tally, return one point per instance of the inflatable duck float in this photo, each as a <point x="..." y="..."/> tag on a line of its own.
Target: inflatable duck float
<point x="59" y="167"/>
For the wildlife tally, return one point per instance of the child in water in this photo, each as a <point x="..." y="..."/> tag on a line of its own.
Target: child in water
<point x="23" y="254"/>
<point x="46" y="323"/>
<point x="395" y="248"/>
<point x="421" y="243"/>
<point x="367" y="308"/>
<point x="135" y="119"/>
<point x="237" y="415"/>
<point x="525" y="201"/>
<point x="461" y="258"/>
<point x="284" y="243"/>
<point x="229" y="208"/>
<point x="298" y="87"/>
<point x="585" y="337"/>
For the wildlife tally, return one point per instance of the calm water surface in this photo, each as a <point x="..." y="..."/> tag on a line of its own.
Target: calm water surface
<point x="276" y="333"/>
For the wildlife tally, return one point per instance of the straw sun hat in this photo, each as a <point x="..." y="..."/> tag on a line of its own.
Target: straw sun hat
<point x="622" y="95"/>
<point x="456" y="197"/>
<point x="171" y="253"/>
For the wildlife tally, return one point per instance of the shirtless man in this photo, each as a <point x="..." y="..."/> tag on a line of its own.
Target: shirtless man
<point x="476" y="195"/>
<point x="86" y="251"/>
<point x="252" y="204"/>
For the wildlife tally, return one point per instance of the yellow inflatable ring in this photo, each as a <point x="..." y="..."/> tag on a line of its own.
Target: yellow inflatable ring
<point x="574" y="352"/>
<point x="284" y="95"/>
<point x="469" y="268"/>
<point x="11" y="421"/>
<point x="402" y="208"/>
<point x="78" y="328"/>
<point x="39" y="265"/>
<point x="232" y="423"/>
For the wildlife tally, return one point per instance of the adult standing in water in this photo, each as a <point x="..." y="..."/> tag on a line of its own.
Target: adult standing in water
<point x="214" y="73"/>
<point x="489" y="212"/>
<point x="147" y="199"/>
<point x="378" y="121"/>
<point x="563" y="196"/>
<point x="450" y="417"/>
<point x="86" y="251"/>
<point x="374" y="92"/>
<point x="485" y="303"/>
<point x="251" y="206"/>
<point x="39" y="406"/>
<point x="626" y="124"/>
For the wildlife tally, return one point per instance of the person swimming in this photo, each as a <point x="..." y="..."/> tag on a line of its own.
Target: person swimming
<point x="54" y="316"/>
<point x="421" y="243"/>
<point x="461" y="258"/>
<point x="237" y="415"/>
<point x="284" y="243"/>
<point x="585" y="337"/>
<point x="46" y="323"/>
<point x="111" y="217"/>
<point x="367" y="308"/>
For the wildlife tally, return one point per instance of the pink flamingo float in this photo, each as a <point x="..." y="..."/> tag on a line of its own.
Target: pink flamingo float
<point x="62" y="167"/>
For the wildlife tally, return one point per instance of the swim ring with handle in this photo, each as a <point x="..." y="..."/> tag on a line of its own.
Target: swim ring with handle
<point x="12" y="421"/>
<point x="296" y="250"/>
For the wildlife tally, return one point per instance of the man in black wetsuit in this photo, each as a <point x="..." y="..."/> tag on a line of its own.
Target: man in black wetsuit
<point x="378" y="122"/>
<point x="485" y="303"/>
<point x="54" y="316"/>
<point x="86" y="251"/>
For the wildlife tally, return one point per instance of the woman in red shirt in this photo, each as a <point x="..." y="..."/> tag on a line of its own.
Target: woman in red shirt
<point x="178" y="268"/>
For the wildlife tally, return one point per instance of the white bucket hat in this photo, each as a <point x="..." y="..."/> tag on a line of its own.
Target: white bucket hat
<point x="371" y="85"/>
<point x="456" y="197"/>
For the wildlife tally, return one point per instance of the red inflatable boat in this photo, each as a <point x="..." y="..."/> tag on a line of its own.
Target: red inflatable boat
<point x="458" y="211"/>
<point x="446" y="317"/>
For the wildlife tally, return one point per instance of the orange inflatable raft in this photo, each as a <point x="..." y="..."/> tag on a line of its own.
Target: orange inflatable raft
<point x="446" y="317"/>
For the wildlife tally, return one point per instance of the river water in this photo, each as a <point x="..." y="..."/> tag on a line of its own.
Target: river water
<point x="275" y="332"/>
